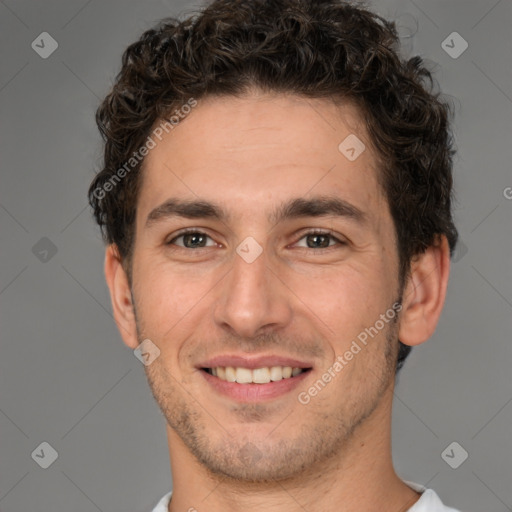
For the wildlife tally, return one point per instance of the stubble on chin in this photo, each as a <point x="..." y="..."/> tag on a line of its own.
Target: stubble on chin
<point x="275" y="456"/>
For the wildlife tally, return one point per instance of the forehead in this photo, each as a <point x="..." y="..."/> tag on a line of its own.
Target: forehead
<point x="247" y="151"/>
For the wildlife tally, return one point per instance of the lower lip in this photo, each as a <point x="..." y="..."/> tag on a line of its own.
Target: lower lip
<point x="254" y="392"/>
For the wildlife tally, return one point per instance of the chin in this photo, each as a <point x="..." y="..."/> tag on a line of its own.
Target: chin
<point x="258" y="462"/>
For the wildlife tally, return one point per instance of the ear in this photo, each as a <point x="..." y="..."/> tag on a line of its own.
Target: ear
<point x="120" y="295"/>
<point x="425" y="293"/>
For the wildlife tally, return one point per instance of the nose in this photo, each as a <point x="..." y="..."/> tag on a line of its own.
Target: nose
<point x="252" y="298"/>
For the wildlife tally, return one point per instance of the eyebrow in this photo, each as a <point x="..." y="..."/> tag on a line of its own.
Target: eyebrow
<point x="318" y="206"/>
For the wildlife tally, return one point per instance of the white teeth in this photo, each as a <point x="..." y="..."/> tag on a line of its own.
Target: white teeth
<point x="276" y="373"/>
<point x="230" y="374"/>
<point x="261" y="375"/>
<point x="243" y="375"/>
<point x="257" y="376"/>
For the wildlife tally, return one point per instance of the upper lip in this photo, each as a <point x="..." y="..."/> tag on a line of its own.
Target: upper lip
<point x="245" y="361"/>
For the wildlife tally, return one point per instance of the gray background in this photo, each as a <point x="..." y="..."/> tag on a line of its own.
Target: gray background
<point x="67" y="379"/>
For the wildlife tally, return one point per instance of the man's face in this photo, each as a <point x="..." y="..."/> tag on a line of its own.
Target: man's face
<point x="305" y="297"/>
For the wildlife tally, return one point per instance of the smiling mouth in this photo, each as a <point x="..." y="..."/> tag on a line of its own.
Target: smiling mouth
<point x="263" y="375"/>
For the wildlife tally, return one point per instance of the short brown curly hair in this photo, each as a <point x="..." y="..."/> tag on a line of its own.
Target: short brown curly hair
<point x="321" y="49"/>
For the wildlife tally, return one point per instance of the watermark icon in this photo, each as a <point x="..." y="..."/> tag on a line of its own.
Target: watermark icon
<point x="507" y="193"/>
<point x="454" y="455"/>
<point x="250" y="454"/>
<point x="45" y="455"/>
<point x="341" y="361"/>
<point x="249" y="249"/>
<point x="454" y="45"/>
<point x="351" y="147"/>
<point x="166" y="126"/>
<point x="146" y="352"/>
<point x="44" y="250"/>
<point x="461" y="249"/>
<point x="44" y="45"/>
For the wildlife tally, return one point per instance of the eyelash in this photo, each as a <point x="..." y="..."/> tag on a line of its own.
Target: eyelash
<point x="308" y="233"/>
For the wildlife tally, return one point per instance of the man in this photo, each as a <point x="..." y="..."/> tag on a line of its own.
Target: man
<point x="276" y="199"/>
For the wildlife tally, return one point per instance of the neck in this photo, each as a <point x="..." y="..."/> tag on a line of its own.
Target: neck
<point x="358" y="477"/>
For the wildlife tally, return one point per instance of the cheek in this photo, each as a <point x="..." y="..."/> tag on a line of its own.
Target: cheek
<point x="167" y="300"/>
<point x="347" y="299"/>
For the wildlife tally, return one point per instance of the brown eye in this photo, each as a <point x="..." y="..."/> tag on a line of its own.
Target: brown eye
<point x="192" y="239"/>
<point x="320" y="240"/>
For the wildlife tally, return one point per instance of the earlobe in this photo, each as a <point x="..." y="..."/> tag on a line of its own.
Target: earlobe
<point x="425" y="293"/>
<point x="120" y="295"/>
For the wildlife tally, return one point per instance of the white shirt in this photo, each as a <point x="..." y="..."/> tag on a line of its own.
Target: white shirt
<point x="428" y="502"/>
